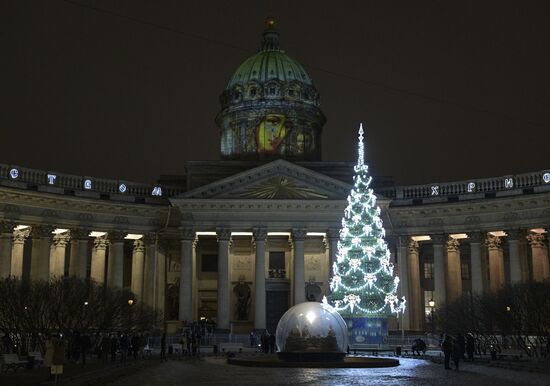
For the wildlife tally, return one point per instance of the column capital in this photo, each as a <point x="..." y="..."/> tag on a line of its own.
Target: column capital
<point x="187" y="233"/>
<point x="536" y="240"/>
<point x="513" y="234"/>
<point x="223" y="234"/>
<point x="493" y="242"/>
<point x="61" y="239"/>
<point x="6" y="226"/>
<point x="413" y="246"/>
<point x="333" y="234"/>
<point x="452" y="245"/>
<point x="438" y="238"/>
<point x="117" y="236"/>
<point x="42" y="231"/>
<point x="260" y="233"/>
<point x="139" y="246"/>
<point x="299" y="234"/>
<point x="19" y="235"/>
<point x="101" y="242"/>
<point x="476" y="237"/>
<point x="80" y="233"/>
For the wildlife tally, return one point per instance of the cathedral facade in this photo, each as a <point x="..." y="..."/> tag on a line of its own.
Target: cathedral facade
<point x="240" y="240"/>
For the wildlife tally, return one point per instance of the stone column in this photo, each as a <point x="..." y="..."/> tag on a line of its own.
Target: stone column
<point x="260" y="235"/>
<point x="539" y="256"/>
<point x="57" y="258"/>
<point x="513" y="252"/>
<point x="149" y="269"/>
<point x="6" y="241"/>
<point x="40" y="254"/>
<point x="79" y="252"/>
<point x="415" y="293"/>
<point x="115" y="271"/>
<point x="138" y="254"/>
<point x="224" y="237"/>
<point x="440" y="293"/>
<point x="496" y="262"/>
<point x="18" y="247"/>
<point x="98" y="259"/>
<point x="475" y="260"/>
<point x="454" y="270"/>
<point x="298" y="237"/>
<point x="333" y="236"/>
<point x="162" y="252"/>
<point x="403" y="273"/>
<point x="186" y="278"/>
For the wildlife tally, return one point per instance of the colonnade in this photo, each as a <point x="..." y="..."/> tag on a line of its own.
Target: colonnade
<point x="297" y="237"/>
<point x="49" y="251"/>
<point x="487" y="266"/>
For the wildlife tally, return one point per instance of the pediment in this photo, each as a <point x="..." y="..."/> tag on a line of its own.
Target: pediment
<point x="277" y="180"/>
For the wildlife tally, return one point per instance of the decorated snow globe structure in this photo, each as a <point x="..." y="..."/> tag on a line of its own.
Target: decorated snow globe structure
<point x="311" y="332"/>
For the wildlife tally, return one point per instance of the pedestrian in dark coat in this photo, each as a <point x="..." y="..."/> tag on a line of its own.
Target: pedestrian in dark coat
<point x="447" y="348"/>
<point x="461" y="342"/>
<point x="85" y="343"/>
<point x="470" y="347"/>
<point x="272" y="343"/>
<point x="456" y="354"/>
<point x="163" y="347"/>
<point x="114" y="348"/>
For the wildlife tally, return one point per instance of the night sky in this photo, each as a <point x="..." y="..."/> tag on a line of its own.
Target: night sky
<point x="130" y="89"/>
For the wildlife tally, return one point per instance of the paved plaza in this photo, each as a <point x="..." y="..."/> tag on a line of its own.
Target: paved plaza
<point x="214" y="371"/>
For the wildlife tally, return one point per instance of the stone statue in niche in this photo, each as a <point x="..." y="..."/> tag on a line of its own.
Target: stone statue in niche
<point x="172" y="300"/>
<point x="242" y="294"/>
<point x="314" y="293"/>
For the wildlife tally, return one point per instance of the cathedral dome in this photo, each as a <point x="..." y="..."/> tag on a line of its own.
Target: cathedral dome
<point x="270" y="108"/>
<point x="267" y="65"/>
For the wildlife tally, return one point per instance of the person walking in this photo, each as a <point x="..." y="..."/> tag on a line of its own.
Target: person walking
<point x="124" y="346"/>
<point x="470" y="347"/>
<point x="272" y="343"/>
<point x="84" y="343"/>
<point x="456" y="353"/>
<point x="163" y="347"/>
<point x="461" y="342"/>
<point x="252" y="338"/>
<point x="447" y="348"/>
<point x="114" y="347"/>
<point x="104" y="348"/>
<point x="48" y="356"/>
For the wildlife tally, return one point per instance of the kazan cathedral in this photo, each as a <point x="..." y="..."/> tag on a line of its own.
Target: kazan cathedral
<point x="240" y="240"/>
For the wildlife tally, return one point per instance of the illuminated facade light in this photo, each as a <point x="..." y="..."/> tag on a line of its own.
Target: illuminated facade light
<point x="87" y="184"/>
<point x="471" y="187"/>
<point x="435" y="190"/>
<point x="322" y="234"/>
<point x="205" y="233"/>
<point x="133" y="236"/>
<point x="122" y="188"/>
<point x="278" y="234"/>
<point x="459" y="236"/>
<point x="546" y="178"/>
<point x="51" y="179"/>
<point x="241" y="233"/>
<point x="508" y="183"/>
<point x="421" y="238"/>
<point x="14" y="173"/>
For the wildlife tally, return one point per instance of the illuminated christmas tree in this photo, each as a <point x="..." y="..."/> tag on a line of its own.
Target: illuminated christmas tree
<point x="363" y="284"/>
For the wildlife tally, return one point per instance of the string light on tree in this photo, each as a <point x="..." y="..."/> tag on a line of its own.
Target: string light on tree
<point x="363" y="284"/>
